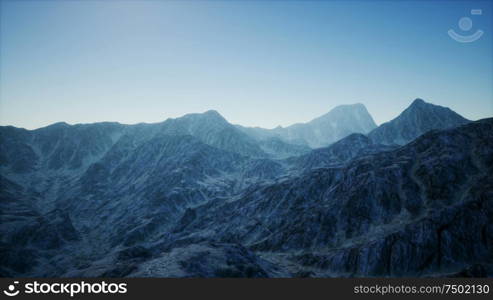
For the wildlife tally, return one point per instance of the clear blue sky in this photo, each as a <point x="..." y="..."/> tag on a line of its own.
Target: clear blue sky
<point x="258" y="63"/>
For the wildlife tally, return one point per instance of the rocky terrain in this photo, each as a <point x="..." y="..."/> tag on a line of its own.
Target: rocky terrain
<point x="198" y="197"/>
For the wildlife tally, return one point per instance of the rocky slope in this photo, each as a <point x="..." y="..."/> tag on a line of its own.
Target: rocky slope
<point x="422" y="209"/>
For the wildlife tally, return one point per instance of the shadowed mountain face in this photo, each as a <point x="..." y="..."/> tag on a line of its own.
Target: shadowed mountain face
<point x="198" y="197"/>
<point x="322" y="131"/>
<point x="425" y="208"/>
<point x="417" y="119"/>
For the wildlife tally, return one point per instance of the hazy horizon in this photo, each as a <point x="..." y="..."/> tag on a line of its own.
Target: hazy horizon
<point x="225" y="117"/>
<point x="259" y="64"/>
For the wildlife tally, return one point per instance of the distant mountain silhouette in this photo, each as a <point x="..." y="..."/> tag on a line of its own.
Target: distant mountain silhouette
<point x="420" y="117"/>
<point x="340" y="122"/>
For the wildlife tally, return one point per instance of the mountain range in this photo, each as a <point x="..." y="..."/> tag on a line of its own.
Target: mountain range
<point x="322" y="131"/>
<point x="197" y="196"/>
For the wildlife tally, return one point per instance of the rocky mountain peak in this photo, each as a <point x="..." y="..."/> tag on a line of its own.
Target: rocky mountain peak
<point x="417" y="119"/>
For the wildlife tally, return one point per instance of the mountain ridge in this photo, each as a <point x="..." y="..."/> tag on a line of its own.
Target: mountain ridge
<point x="415" y="120"/>
<point x="338" y="123"/>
